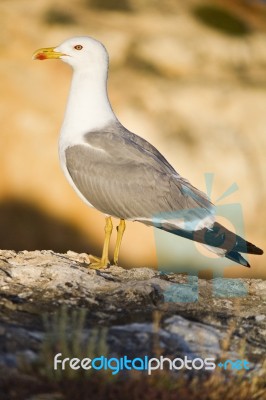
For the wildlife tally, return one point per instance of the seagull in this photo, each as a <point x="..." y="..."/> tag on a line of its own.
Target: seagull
<point x="121" y="174"/>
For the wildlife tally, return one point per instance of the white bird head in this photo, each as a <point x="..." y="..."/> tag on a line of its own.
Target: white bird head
<point x="80" y="52"/>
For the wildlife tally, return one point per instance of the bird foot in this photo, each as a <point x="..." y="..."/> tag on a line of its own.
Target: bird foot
<point x="98" y="263"/>
<point x="94" y="259"/>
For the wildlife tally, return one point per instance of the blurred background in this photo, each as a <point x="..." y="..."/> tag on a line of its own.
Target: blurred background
<point x="188" y="76"/>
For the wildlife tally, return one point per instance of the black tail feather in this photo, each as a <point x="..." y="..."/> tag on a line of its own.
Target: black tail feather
<point x="235" y="256"/>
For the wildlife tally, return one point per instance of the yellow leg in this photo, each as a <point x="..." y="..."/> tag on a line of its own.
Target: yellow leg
<point x="120" y="231"/>
<point x="103" y="261"/>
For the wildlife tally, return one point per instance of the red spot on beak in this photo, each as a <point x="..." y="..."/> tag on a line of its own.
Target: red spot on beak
<point x="41" y="56"/>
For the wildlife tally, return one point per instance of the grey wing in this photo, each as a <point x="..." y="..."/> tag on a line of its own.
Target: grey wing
<point x="124" y="176"/>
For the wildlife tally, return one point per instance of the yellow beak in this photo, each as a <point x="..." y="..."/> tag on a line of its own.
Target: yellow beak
<point x="46" y="53"/>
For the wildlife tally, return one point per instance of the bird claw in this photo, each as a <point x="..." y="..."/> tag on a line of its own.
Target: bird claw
<point x="94" y="259"/>
<point x="98" y="263"/>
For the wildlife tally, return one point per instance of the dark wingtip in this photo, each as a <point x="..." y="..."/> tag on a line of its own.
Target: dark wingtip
<point x="238" y="244"/>
<point x="252" y="249"/>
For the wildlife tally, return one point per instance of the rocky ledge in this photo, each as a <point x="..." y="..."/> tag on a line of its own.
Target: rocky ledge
<point x="140" y="310"/>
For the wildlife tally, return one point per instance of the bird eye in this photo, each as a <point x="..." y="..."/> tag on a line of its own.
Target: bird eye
<point x="78" y="47"/>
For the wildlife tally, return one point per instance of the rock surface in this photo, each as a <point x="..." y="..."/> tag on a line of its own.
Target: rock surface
<point x="132" y="307"/>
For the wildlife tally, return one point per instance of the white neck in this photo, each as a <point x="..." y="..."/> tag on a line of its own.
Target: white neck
<point x="88" y="106"/>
